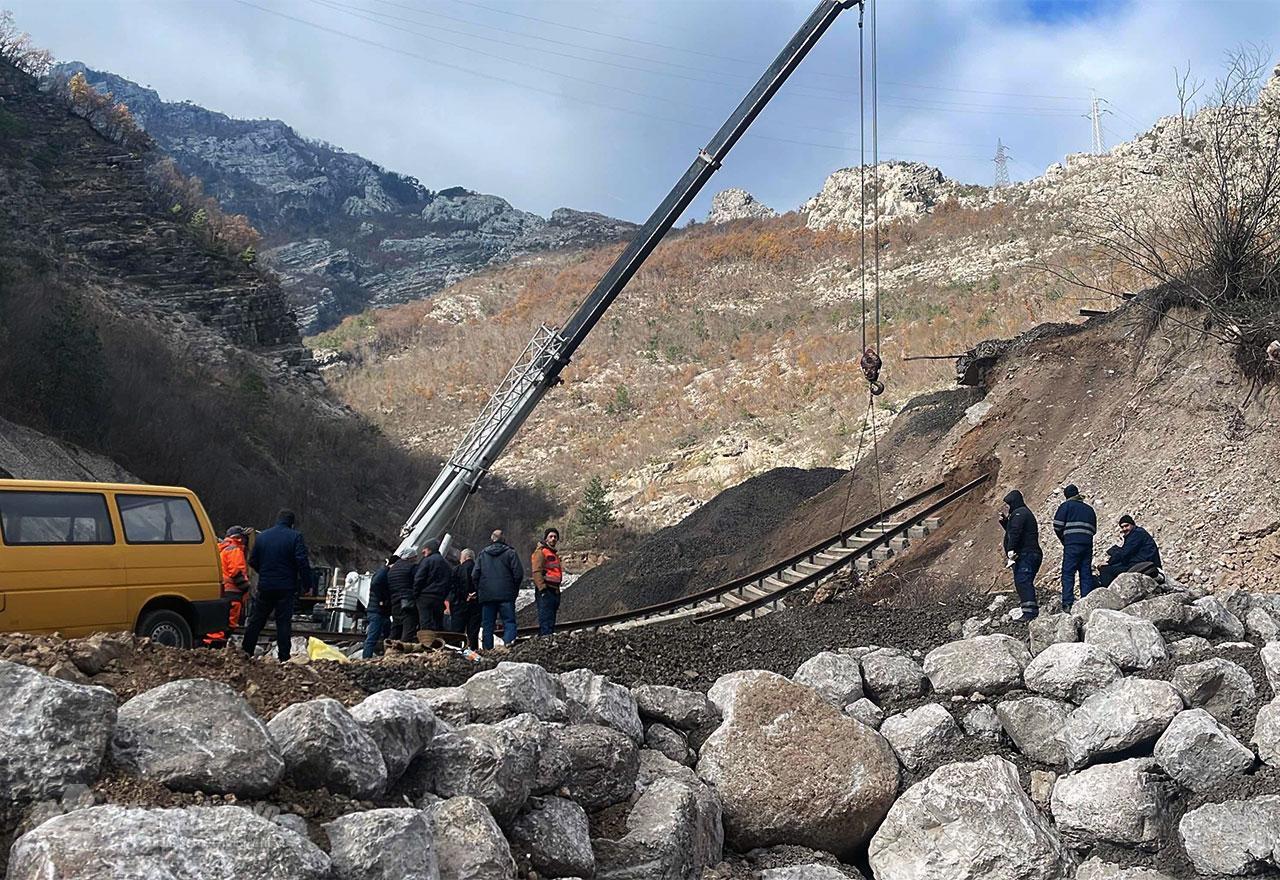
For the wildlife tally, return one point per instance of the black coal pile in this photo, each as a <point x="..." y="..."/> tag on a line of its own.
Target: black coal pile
<point x="717" y="542"/>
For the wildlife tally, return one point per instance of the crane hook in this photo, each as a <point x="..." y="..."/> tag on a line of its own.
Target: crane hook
<point x="871" y="364"/>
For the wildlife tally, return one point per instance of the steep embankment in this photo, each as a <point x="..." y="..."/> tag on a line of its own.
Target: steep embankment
<point x="135" y="336"/>
<point x="343" y="232"/>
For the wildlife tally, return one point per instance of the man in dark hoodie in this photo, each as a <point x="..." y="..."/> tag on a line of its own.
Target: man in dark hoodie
<point x="378" y="613"/>
<point x="1138" y="553"/>
<point x="497" y="576"/>
<point x="404" y="612"/>
<point x="279" y="556"/>
<point x="431" y="582"/>
<point x="1022" y="547"/>
<point x="1075" y="524"/>
<point x="464" y="603"/>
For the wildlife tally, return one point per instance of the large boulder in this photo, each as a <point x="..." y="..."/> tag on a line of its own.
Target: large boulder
<point x="1071" y="671"/>
<point x="1213" y="620"/>
<point x="921" y="736"/>
<point x="468" y="842"/>
<point x="1122" y="803"/>
<point x="1033" y="723"/>
<point x="670" y="742"/>
<point x="1097" y="869"/>
<point x="195" y="843"/>
<point x="555" y="836"/>
<point x="401" y="724"/>
<point x="674" y="707"/>
<point x="602" y="764"/>
<point x="1127" y="713"/>
<point x="496" y="765"/>
<point x="1130" y="587"/>
<point x="658" y="844"/>
<point x="893" y="676"/>
<point x="1235" y="838"/>
<point x="987" y="665"/>
<point x="1167" y="613"/>
<point x="544" y="737"/>
<point x="516" y="689"/>
<point x="1098" y="599"/>
<point x="52" y="733"/>
<point x="1132" y="642"/>
<point x="196" y="735"/>
<point x="1266" y="733"/>
<point x="1270" y="656"/>
<point x="968" y="821"/>
<point x="449" y="704"/>
<point x="708" y="822"/>
<point x="394" y="844"/>
<point x="1199" y="754"/>
<point x="324" y="747"/>
<point x="836" y="677"/>
<point x="1222" y="688"/>
<point x="867" y="712"/>
<point x="790" y="768"/>
<point x="596" y="700"/>
<point x="1052" y="629"/>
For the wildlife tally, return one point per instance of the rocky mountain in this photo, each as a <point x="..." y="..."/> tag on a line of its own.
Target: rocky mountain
<point x="136" y="346"/>
<point x="733" y="350"/>
<point x="344" y="233"/>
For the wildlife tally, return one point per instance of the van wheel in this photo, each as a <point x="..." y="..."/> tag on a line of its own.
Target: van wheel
<point x="166" y="628"/>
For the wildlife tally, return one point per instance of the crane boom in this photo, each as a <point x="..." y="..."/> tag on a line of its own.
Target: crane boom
<point x="548" y="353"/>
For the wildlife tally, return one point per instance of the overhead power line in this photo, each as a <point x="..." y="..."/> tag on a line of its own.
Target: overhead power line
<point x="527" y="86"/>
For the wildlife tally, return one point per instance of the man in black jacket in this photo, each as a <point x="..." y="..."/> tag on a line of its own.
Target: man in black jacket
<point x="279" y="556"/>
<point x="432" y="580"/>
<point x="464" y="602"/>
<point x="378" y="614"/>
<point x="1022" y="548"/>
<point x="1138" y="553"/>
<point x="404" y="611"/>
<point x="498" y="575"/>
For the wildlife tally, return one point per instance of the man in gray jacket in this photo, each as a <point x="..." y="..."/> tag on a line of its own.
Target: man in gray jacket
<point x="497" y="575"/>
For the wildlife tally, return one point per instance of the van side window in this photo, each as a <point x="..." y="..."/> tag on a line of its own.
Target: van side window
<point x="55" y="518"/>
<point x="158" y="519"/>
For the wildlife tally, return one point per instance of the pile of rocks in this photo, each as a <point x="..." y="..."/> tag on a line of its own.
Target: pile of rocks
<point x="1129" y="732"/>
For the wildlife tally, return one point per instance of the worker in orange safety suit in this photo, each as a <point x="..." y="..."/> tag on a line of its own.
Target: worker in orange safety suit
<point x="235" y="577"/>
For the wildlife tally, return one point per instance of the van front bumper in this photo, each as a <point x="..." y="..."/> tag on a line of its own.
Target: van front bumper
<point x="211" y="616"/>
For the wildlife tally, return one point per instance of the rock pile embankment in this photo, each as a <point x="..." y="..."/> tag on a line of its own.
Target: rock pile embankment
<point x="1133" y="738"/>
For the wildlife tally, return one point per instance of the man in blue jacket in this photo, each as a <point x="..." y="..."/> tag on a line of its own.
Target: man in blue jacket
<point x="279" y="556"/>
<point x="1075" y="524"/>
<point x="1138" y="553"/>
<point x="498" y="575"/>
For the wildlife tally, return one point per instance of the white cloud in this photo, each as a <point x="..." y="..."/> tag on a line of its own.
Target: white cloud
<point x="543" y="140"/>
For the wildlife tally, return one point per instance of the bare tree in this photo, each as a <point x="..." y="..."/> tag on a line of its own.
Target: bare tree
<point x="16" y="48"/>
<point x="1215" y="241"/>
<point x="1187" y="89"/>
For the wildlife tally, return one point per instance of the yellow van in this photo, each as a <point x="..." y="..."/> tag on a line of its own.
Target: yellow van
<point x="79" y="558"/>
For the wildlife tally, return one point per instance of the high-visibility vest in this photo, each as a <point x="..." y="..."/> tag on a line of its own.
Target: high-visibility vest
<point x="231" y="554"/>
<point x="553" y="571"/>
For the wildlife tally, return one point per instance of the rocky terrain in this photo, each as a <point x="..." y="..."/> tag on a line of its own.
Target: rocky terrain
<point x="135" y="348"/>
<point x="1136" y="737"/>
<point x="343" y="232"/>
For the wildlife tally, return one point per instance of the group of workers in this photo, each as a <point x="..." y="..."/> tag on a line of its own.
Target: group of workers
<point x="423" y="591"/>
<point x="1076" y="525"/>
<point x="410" y="592"/>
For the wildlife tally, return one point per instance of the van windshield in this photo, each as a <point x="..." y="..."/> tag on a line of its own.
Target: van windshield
<point x="55" y="518"/>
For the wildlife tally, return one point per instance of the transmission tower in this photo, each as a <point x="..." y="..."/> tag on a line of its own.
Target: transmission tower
<point x="1002" y="164"/>
<point x="1095" y="117"/>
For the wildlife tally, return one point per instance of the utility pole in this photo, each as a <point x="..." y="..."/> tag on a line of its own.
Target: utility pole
<point x="1002" y="164"/>
<point x="1095" y="117"/>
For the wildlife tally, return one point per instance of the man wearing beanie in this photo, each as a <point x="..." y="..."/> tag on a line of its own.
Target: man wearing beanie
<point x="1075" y="524"/>
<point x="1138" y="553"/>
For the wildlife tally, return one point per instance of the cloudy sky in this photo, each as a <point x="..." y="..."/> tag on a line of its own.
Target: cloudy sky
<point x="602" y="104"/>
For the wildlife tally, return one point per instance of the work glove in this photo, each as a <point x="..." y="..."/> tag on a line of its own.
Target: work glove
<point x="1011" y="559"/>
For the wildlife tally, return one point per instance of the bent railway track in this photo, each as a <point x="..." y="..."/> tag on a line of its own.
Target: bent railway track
<point x="877" y="538"/>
